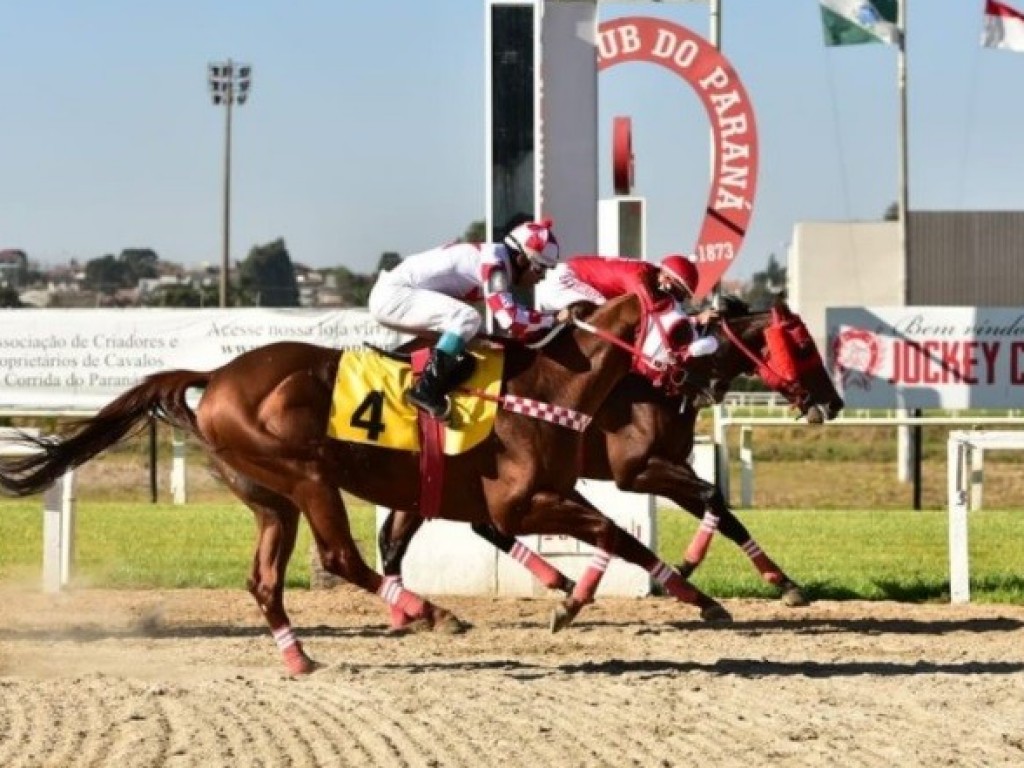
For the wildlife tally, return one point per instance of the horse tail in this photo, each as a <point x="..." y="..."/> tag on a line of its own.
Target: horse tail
<point x="161" y="396"/>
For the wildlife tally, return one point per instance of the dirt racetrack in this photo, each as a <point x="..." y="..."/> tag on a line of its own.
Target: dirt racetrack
<point x="176" y="678"/>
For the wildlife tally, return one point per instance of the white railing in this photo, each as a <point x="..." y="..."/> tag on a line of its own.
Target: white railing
<point x="58" y="514"/>
<point x="963" y="467"/>
<point x="722" y="421"/>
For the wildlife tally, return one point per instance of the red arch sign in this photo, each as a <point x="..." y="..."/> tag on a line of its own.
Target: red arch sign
<point x="734" y="178"/>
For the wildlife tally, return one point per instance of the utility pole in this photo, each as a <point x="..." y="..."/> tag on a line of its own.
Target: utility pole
<point x="229" y="85"/>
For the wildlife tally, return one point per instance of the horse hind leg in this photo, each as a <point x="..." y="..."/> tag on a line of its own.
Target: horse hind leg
<point x="393" y="541"/>
<point x="324" y="509"/>
<point x="277" y="522"/>
<point x="543" y="571"/>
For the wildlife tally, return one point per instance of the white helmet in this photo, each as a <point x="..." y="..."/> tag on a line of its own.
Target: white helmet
<point x="536" y="241"/>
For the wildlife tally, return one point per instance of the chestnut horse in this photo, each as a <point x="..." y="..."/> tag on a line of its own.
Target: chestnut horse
<point x="262" y="419"/>
<point x="642" y="438"/>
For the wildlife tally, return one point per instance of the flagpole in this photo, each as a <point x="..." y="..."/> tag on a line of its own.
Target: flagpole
<point x="903" y="179"/>
<point x="715" y="38"/>
<point x="912" y="442"/>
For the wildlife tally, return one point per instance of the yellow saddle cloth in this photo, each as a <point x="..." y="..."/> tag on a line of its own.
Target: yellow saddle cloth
<point x="368" y="404"/>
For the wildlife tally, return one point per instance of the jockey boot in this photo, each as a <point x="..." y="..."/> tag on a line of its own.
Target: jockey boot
<point x="429" y="393"/>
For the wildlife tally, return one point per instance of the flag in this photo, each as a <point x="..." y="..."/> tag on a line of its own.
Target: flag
<point x="1004" y="27"/>
<point x="848" y="22"/>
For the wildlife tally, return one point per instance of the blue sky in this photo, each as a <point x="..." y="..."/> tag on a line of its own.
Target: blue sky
<point x="364" y="132"/>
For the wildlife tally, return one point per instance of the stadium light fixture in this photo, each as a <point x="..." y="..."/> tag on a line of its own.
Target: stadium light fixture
<point x="230" y="84"/>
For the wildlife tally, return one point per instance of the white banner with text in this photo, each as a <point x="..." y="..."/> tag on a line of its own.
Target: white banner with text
<point x="83" y="358"/>
<point x="928" y="357"/>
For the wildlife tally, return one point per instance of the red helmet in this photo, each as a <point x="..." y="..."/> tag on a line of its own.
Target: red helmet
<point x="536" y="241"/>
<point x="682" y="271"/>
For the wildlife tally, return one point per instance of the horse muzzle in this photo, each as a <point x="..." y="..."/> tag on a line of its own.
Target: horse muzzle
<point x="819" y="413"/>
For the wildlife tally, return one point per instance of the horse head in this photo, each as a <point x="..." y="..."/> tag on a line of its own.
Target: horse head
<point x="776" y="346"/>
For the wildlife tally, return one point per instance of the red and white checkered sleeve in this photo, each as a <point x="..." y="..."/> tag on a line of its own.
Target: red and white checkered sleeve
<point x="517" y="321"/>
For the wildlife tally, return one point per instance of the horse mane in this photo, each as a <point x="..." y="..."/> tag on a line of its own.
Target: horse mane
<point x="733" y="306"/>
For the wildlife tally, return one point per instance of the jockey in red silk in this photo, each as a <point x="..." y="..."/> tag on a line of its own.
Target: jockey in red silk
<point x="600" y="278"/>
<point x="430" y="292"/>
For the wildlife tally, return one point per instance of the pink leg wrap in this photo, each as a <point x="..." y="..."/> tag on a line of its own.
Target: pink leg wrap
<point x="397" y="596"/>
<point x="546" y="573"/>
<point x="769" y="571"/>
<point x="698" y="549"/>
<point x="295" y="659"/>
<point x="588" y="583"/>
<point x="674" y="584"/>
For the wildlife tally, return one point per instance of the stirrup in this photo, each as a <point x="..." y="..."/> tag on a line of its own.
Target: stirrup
<point x="443" y="413"/>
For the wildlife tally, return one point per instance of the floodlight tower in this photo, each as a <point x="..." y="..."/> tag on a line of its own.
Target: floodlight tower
<point x="229" y="85"/>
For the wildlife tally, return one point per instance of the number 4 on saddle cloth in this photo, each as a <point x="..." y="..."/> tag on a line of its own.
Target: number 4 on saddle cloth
<point x="368" y="404"/>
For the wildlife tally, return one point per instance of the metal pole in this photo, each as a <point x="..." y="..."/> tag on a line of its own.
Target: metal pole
<point x="152" y="462"/>
<point x="225" y="254"/>
<point x="903" y="202"/>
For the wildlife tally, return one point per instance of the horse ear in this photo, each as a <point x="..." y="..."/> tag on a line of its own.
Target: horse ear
<point x="581" y="310"/>
<point x="780" y="309"/>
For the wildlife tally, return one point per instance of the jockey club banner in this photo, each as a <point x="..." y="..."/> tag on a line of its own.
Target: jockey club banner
<point x="928" y="357"/>
<point x="83" y="358"/>
<point x="734" y="173"/>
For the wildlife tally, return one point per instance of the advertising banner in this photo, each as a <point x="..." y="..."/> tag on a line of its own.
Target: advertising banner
<point x="83" y="358"/>
<point x="928" y="357"/>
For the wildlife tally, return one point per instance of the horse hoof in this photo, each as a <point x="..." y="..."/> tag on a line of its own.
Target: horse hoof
<point x="449" y="624"/>
<point x="562" y="616"/>
<point x="715" y="613"/>
<point x="794" y="597"/>
<point x="298" y="663"/>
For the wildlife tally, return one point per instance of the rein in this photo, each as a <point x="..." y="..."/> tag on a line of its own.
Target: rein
<point x="558" y="415"/>
<point x="654" y="369"/>
<point x="777" y="380"/>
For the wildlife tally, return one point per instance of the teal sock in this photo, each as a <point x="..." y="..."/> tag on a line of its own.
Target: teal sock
<point x="451" y="344"/>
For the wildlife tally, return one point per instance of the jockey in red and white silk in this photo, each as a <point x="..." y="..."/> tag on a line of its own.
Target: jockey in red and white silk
<point x="600" y="278"/>
<point x="430" y="291"/>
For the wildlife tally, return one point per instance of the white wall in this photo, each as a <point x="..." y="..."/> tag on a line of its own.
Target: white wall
<point x="842" y="264"/>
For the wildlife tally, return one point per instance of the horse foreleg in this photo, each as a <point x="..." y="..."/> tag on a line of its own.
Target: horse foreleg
<point x="769" y="570"/>
<point x="545" y="572"/>
<point x="575" y="516"/>
<point x="328" y="519"/>
<point x="703" y="500"/>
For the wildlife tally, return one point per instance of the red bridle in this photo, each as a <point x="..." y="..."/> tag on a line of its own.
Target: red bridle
<point x="777" y="365"/>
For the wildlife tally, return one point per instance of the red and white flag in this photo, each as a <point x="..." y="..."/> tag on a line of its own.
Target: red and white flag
<point x="1004" y="27"/>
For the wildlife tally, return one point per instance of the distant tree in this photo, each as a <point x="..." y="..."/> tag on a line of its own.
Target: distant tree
<point x="140" y="261"/>
<point x="892" y="212"/>
<point x="353" y="287"/>
<point x="106" y="274"/>
<point x="267" y="277"/>
<point x="764" y="286"/>
<point x="476" y="232"/>
<point x="176" y="296"/>
<point x="388" y="260"/>
<point x="9" y="298"/>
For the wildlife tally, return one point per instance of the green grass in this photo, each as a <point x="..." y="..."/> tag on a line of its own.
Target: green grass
<point x="861" y="554"/>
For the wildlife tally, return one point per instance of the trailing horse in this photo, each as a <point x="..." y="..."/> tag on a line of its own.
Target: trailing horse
<point x="642" y="437"/>
<point x="262" y="416"/>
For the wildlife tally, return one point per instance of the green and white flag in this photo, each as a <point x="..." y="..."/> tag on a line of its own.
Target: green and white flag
<point x="849" y="22"/>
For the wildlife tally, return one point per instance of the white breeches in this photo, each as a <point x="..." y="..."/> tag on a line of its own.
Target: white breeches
<point x="561" y="287"/>
<point x="415" y="310"/>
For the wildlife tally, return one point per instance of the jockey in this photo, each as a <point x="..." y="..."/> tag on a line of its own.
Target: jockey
<point x="430" y="291"/>
<point x="600" y="278"/>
